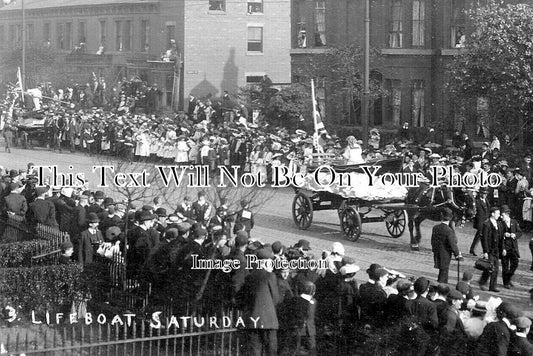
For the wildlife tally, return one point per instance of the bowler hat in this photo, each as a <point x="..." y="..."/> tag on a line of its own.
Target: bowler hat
<point x="403" y="285"/>
<point x="505" y="209"/>
<point x="373" y="267"/>
<point x="304" y="245"/>
<point x="264" y="253"/>
<point x="146" y="215"/>
<point x="147" y="208"/>
<point x="421" y="285"/>
<point x="162" y="212"/>
<point x="184" y="227"/>
<point x="99" y="195"/>
<point x="93" y="218"/>
<point x="108" y="201"/>
<point x="276" y="246"/>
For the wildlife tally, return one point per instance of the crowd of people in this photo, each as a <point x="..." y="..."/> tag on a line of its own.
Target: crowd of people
<point x="294" y="306"/>
<point x="158" y="243"/>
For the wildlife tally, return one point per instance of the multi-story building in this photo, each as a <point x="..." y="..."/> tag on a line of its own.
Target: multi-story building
<point x="416" y="40"/>
<point x="221" y="45"/>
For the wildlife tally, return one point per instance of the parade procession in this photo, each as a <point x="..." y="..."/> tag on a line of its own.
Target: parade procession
<point x="265" y="177"/>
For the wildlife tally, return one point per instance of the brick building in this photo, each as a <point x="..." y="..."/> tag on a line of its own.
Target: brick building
<point x="416" y="39"/>
<point x="222" y="44"/>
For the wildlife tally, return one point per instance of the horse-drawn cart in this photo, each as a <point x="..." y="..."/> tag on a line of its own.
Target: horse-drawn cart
<point x="353" y="209"/>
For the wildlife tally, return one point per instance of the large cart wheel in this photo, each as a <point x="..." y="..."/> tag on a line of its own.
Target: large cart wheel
<point x="351" y="223"/>
<point x="395" y="222"/>
<point x="302" y="211"/>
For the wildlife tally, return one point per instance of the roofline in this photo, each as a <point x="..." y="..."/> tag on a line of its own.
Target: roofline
<point x="6" y="8"/>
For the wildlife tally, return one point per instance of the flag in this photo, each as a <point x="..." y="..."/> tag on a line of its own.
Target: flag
<point x="19" y="84"/>
<point x="318" y="116"/>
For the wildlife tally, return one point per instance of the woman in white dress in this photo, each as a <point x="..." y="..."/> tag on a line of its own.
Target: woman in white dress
<point x="353" y="153"/>
<point x="182" y="151"/>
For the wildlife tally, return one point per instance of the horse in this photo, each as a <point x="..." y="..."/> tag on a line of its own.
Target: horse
<point x="431" y="201"/>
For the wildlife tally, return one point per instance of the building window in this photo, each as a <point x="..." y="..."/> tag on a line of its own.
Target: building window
<point x="395" y="101"/>
<point x="127" y="38"/>
<point x="418" y="103"/>
<point x="217" y="5"/>
<point x="301" y="34"/>
<point x="171" y="35"/>
<point x="254" y="79"/>
<point x="169" y="89"/>
<point x="396" y="33"/>
<point x="102" y="32"/>
<point x="82" y="35"/>
<point x="255" y="39"/>
<point x="419" y="23"/>
<point x="30" y="33"/>
<point x="458" y="24"/>
<point x="118" y="35"/>
<point x="46" y="34"/>
<point x="61" y="36"/>
<point x="68" y="35"/>
<point x="2" y="36"/>
<point x="255" y="6"/>
<point x="320" y="23"/>
<point x="145" y="35"/>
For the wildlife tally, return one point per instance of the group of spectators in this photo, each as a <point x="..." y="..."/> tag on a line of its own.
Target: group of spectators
<point x="294" y="307"/>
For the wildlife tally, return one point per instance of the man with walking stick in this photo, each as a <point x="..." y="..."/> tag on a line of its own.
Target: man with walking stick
<point x="443" y="244"/>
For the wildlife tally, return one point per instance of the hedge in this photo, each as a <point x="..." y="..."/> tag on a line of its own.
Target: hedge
<point x="19" y="254"/>
<point x="41" y="288"/>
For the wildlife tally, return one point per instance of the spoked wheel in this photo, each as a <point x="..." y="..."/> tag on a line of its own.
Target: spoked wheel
<point x="351" y="224"/>
<point x="395" y="222"/>
<point x="302" y="211"/>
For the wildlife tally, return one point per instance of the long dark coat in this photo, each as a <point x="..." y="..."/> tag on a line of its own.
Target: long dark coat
<point x="443" y="244"/>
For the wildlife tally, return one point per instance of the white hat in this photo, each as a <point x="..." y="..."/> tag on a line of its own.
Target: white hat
<point x="67" y="191"/>
<point x="347" y="269"/>
<point x="337" y="248"/>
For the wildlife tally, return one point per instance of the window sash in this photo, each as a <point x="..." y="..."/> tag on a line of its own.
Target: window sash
<point x="103" y="31"/>
<point x="255" y="39"/>
<point x="419" y="9"/>
<point x="127" y="35"/>
<point x="217" y="5"/>
<point x="396" y="32"/>
<point x="320" y="23"/>
<point x="68" y="35"/>
<point x="46" y="32"/>
<point x="118" y="34"/>
<point x="145" y="34"/>
<point x="255" y="6"/>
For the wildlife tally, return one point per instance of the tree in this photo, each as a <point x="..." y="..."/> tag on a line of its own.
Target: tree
<point x="342" y="68"/>
<point x="41" y="65"/>
<point x="496" y="65"/>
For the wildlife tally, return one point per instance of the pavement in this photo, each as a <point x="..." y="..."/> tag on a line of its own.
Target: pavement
<point x="274" y="222"/>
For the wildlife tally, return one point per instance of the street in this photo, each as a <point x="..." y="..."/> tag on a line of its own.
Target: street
<point x="274" y="222"/>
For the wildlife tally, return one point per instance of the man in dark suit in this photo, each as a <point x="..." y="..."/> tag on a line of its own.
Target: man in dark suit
<point x="41" y="210"/>
<point x="443" y="244"/>
<point x="519" y="344"/>
<point x="510" y="252"/>
<point x="491" y="241"/>
<point x="257" y="299"/>
<point x="372" y="297"/>
<point x="15" y="203"/>
<point x="425" y="313"/>
<point x="245" y="217"/>
<point x="496" y="335"/>
<point x="482" y="214"/>
<point x="237" y="253"/>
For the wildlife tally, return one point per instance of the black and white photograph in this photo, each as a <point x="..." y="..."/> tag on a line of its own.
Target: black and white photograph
<point x="266" y="177"/>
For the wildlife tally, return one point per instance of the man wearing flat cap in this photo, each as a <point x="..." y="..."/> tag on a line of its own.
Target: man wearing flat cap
<point x="443" y="244"/>
<point x="519" y="345"/>
<point x="510" y="251"/>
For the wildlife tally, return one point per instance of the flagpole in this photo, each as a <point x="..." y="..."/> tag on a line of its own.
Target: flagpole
<point x="315" y="123"/>
<point x="366" y="82"/>
<point x="23" y="47"/>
